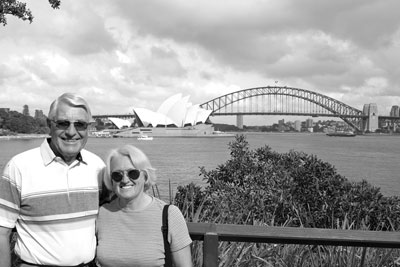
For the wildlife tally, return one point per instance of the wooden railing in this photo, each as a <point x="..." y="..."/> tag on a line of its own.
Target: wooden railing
<point x="211" y="234"/>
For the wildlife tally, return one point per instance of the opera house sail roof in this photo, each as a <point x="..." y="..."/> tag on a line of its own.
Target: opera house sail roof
<point x="176" y="111"/>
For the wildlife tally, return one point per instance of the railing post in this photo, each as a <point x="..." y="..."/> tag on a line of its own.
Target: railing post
<point x="210" y="247"/>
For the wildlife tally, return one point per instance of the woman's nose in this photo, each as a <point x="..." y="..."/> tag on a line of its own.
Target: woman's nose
<point x="125" y="178"/>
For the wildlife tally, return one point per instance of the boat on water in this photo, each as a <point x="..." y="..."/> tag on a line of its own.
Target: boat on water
<point x="342" y="134"/>
<point x="102" y="134"/>
<point x="221" y="133"/>
<point x="144" y="137"/>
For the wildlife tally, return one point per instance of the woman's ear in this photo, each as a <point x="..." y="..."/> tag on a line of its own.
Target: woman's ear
<point x="146" y="176"/>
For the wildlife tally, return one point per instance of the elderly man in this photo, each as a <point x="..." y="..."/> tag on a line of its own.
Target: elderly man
<point x="50" y="194"/>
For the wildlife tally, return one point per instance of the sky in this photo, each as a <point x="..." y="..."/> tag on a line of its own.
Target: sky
<point x="123" y="54"/>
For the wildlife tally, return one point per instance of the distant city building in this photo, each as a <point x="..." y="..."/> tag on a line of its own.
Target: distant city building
<point x="281" y="125"/>
<point x="6" y="110"/>
<point x="39" y="114"/>
<point x="395" y="111"/>
<point x="310" y="125"/>
<point x="297" y="125"/>
<point x="371" y="110"/>
<point x="25" y="110"/>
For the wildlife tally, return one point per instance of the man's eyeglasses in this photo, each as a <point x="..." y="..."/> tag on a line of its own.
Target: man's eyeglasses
<point x="133" y="174"/>
<point x="64" y="124"/>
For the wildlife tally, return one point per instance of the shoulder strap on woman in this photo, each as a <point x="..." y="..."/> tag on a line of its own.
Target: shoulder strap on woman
<point x="164" y="229"/>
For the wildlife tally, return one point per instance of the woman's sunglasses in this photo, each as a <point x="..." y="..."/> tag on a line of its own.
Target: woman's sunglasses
<point x="132" y="174"/>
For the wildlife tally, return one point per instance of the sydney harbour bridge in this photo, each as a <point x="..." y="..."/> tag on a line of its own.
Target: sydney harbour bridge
<point x="288" y="101"/>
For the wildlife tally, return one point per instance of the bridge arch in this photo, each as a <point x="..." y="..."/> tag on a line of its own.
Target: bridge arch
<point x="332" y="107"/>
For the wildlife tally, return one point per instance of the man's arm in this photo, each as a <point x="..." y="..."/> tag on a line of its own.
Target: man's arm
<point x="5" y="259"/>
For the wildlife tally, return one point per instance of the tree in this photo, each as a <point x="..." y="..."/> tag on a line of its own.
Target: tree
<point x="19" y="9"/>
<point x="16" y="122"/>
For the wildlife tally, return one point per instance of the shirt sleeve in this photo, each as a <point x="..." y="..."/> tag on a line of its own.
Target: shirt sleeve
<point x="178" y="233"/>
<point x="10" y="195"/>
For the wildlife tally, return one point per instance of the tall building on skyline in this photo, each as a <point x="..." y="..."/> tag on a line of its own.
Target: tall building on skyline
<point x="309" y="123"/>
<point x="395" y="111"/>
<point x="281" y="125"/>
<point x="25" y="110"/>
<point x="297" y="125"/>
<point x="39" y="114"/>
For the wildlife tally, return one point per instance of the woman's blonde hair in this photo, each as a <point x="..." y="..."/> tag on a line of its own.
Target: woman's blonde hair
<point x="139" y="161"/>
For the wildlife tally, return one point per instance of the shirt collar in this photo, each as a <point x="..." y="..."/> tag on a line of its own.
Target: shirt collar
<point x="48" y="155"/>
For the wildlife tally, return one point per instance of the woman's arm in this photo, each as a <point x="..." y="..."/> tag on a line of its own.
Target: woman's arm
<point x="182" y="257"/>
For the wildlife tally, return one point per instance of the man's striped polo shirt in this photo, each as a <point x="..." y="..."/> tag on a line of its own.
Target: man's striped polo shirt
<point x="52" y="205"/>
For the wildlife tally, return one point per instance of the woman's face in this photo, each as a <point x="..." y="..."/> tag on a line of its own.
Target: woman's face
<point x="127" y="189"/>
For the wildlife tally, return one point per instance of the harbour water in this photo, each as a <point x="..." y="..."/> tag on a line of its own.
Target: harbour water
<point x="177" y="160"/>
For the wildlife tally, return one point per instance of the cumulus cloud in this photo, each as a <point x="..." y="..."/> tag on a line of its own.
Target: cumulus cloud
<point x="122" y="54"/>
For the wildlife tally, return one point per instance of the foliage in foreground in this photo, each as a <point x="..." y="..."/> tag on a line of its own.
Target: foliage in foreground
<point x="263" y="187"/>
<point x="19" y="10"/>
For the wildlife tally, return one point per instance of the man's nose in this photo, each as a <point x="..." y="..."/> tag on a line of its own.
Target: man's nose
<point x="71" y="129"/>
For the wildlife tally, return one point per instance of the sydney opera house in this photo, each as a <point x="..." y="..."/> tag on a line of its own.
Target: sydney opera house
<point x="176" y="116"/>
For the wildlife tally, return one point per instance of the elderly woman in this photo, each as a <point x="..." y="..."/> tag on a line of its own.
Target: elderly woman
<point x="129" y="227"/>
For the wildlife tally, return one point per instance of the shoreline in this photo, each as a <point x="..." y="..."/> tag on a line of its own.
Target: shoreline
<point x="226" y="134"/>
<point x="23" y="136"/>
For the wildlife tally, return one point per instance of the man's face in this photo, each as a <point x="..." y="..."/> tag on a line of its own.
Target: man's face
<point x="67" y="142"/>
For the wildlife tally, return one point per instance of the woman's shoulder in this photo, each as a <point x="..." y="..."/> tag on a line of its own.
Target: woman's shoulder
<point x="160" y="204"/>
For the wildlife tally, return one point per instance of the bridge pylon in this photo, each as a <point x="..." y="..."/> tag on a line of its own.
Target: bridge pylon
<point x="371" y="113"/>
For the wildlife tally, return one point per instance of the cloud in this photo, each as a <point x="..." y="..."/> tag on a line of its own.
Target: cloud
<point x="122" y="54"/>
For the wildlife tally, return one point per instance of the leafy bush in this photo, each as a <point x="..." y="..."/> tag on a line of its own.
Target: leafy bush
<point x="263" y="187"/>
<point x="292" y="189"/>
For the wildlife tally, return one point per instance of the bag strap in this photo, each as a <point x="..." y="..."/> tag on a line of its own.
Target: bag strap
<point x="164" y="229"/>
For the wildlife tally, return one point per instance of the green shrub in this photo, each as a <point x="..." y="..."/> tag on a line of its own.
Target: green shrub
<point x="263" y="187"/>
<point x="293" y="189"/>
